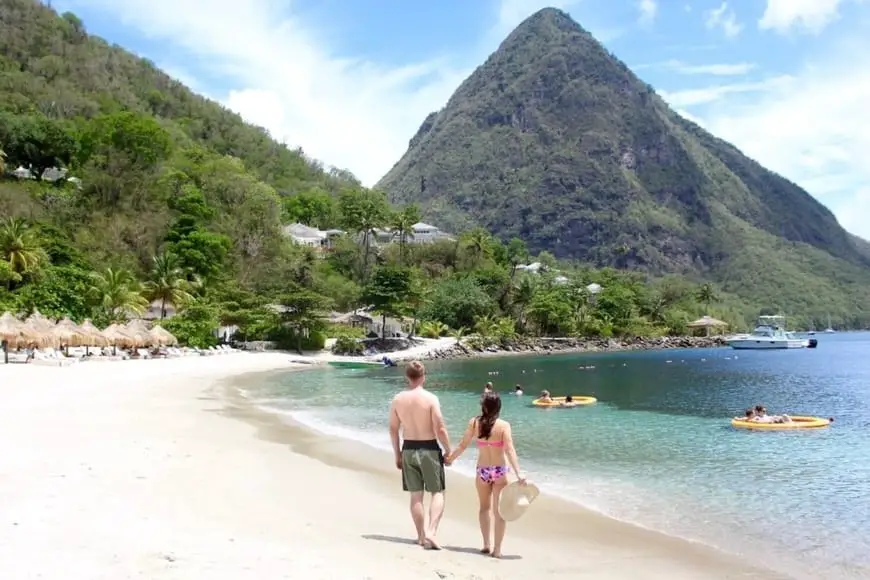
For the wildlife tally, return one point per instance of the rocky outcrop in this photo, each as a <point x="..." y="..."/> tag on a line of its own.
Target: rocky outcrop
<point x="558" y="345"/>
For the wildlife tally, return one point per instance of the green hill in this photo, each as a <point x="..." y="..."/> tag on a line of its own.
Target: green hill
<point x="144" y="192"/>
<point x="557" y="142"/>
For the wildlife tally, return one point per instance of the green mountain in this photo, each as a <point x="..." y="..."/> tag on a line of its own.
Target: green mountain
<point x="557" y="142"/>
<point x="152" y="157"/>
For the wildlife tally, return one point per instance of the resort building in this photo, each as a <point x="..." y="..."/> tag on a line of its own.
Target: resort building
<point x="420" y="233"/>
<point x="312" y="237"/>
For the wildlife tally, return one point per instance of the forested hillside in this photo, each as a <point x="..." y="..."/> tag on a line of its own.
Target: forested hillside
<point x="556" y="141"/>
<point x="143" y="192"/>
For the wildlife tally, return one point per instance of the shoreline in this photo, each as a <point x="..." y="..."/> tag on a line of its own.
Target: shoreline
<point x="554" y="521"/>
<point x="550" y="346"/>
<point x="153" y="448"/>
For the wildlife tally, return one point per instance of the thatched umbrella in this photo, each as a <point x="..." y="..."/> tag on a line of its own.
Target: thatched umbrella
<point x="140" y="330"/>
<point x="94" y="336"/>
<point x="69" y="334"/>
<point x="10" y="332"/>
<point x="707" y="322"/>
<point x="15" y="333"/>
<point x="117" y="335"/>
<point x="39" y="322"/>
<point x="162" y="337"/>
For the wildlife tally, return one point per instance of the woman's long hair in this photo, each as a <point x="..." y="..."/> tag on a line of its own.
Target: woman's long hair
<point x="490" y="407"/>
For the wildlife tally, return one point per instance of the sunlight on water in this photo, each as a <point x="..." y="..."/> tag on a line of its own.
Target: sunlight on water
<point x="658" y="449"/>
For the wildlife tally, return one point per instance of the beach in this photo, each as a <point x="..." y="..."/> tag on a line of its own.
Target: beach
<point x="147" y="469"/>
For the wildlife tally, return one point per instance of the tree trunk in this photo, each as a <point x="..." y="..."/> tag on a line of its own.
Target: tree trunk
<point x="162" y="308"/>
<point x="5" y="352"/>
<point x="384" y="326"/>
<point x="365" y="272"/>
<point x="299" y="341"/>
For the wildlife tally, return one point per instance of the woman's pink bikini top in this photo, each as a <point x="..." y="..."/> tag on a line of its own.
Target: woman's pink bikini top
<point x="485" y="443"/>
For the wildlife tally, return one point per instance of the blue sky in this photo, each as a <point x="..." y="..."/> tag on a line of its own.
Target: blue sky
<point x="350" y="81"/>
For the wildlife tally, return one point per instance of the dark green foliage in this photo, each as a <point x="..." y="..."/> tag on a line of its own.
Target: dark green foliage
<point x="302" y="316"/>
<point x="388" y="292"/>
<point x="458" y="301"/>
<point x="555" y="141"/>
<point x="196" y="325"/>
<point x="36" y="142"/>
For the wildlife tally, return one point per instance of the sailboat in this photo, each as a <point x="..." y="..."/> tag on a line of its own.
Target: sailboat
<point x="829" y="329"/>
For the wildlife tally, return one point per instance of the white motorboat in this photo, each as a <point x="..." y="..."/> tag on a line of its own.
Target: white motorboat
<point x="769" y="333"/>
<point x="830" y="329"/>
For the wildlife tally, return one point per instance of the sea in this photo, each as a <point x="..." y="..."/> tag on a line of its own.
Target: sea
<point x="657" y="450"/>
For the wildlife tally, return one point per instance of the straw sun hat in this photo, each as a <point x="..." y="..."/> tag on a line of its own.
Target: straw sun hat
<point x="516" y="499"/>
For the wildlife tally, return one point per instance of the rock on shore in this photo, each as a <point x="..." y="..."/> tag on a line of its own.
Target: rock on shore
<point x="555" y="345"/>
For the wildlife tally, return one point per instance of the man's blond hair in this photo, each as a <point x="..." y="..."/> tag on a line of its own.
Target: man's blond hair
<point x="415" y="370"/>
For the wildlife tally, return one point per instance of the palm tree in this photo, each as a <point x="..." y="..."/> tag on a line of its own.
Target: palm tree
<point x="117" y="293"/>
<point x="402" y="223"/>
<point x="167" y="282"/>
<point x="524" y="292"/>
<point x="478" y="244"/>
<point x="20" y="248"/>
<point x="706" y="294"/>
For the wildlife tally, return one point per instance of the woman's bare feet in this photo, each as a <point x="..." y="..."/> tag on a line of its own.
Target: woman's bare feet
<point x="430" y="543"/>
<point x="485" y="550"/>
<point x="496" y="553"/>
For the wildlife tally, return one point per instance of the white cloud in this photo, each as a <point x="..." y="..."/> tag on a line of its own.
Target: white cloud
<point x="705" y="95"/>
<point x="717" y="69"/>
<point x="811" y="127"/>
<point x="724" y="18"/>
<point x="648" y="10"/>
<point x="347" y="112"/>
<point x="810" y="15"/>
<point x="853" y="213"/>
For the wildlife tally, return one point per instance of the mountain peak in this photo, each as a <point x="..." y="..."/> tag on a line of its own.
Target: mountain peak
<point x="545" y="24"/>
<point x="555" y="141"/>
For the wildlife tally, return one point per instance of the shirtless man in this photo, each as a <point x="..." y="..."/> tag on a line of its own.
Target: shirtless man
<point x="417" y="413"/>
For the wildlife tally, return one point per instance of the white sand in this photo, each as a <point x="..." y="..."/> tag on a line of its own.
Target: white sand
<point x="425" y="346"/>
<point x="133" y="470"/>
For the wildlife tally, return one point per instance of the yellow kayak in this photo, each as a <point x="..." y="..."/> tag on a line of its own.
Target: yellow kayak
<point x="558" y="401"/>
<point x="796" y="423"/>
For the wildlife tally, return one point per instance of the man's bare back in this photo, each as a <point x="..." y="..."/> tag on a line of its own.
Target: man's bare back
<point x="416" y="409"/>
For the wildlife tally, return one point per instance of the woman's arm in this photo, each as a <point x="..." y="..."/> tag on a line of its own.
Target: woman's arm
<point x="466" y="439"/>
<point x="511" y="452"/>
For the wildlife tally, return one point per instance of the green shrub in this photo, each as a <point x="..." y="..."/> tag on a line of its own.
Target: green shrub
<point x="346" y="345"/>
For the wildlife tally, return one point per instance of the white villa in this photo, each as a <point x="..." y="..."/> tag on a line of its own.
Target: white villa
<point x="313" y="237"/>
<point x="420" y="234"/>
<point x="536" y="267"/>
<point x="372" y="324"/>
<point x="322" y="239"/>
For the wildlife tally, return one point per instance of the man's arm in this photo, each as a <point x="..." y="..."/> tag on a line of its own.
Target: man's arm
<point x="395" y="423"/>
<point x="439" y="426"/>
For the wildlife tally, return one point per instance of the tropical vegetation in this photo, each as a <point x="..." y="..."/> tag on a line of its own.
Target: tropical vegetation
<point x="125" y="195"/>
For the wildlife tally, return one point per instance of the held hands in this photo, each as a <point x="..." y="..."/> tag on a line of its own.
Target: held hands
<point x="449" y="458"/>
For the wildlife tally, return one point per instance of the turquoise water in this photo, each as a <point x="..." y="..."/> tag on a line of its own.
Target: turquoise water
<point x="657" y="450"/>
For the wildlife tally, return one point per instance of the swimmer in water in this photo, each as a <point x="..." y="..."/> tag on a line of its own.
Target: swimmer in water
<point x="518" y="390"/>
<point x="568" y="402"/>
<point x="487" y="388"/>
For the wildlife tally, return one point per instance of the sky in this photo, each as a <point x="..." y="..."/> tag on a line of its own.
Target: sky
<point x="350" y="81"/>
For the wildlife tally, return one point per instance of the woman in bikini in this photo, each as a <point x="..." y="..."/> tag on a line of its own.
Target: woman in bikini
<point x="495" y="450"/>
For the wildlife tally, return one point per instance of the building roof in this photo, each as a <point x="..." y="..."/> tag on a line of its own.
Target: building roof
<point x="303" y="231"/>
<point x="422" y="226"/>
